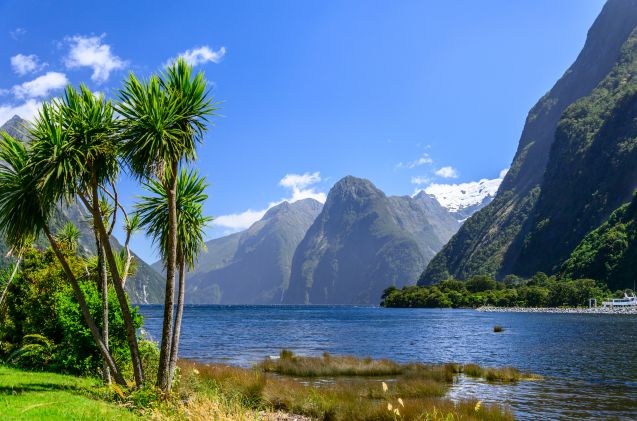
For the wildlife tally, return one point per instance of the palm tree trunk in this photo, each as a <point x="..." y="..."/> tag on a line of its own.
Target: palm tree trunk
<point x="103" y="281"/>
<point x="79" y="295"/>
<point x="6" y="287"/>
<point x="163" y="372"/>
<point x="131" y="332"/>
<point x="174" y="350"/>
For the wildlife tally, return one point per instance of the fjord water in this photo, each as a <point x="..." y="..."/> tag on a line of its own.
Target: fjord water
<point x="589" y="360"/>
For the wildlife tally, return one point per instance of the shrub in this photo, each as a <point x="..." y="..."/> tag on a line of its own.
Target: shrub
<point x="41" y="312"/>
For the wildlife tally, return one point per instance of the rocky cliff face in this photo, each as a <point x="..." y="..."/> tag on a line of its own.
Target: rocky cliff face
<point x="364" y="241"/>
<point x="510" y="235"/>
<point x="253" y="266"/>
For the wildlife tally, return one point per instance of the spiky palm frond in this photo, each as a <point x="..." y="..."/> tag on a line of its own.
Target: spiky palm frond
<point x="23" y="213"/>
<point x="163" y="118"/>
<point x="73" y="143"/>
<point x="69" y="236"/>
<point x="191" y="222"/>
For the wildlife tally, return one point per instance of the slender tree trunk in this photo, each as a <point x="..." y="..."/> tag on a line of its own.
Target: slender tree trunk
<point x="6" y="287"/>
<point x="79" y="295"/>
<point x="131" y="332"/>
<point x="174" y="349"/>
<point x="163" y="372"/>
<point x="103" y="284"/>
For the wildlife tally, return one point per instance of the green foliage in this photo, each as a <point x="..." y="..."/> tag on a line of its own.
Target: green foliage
<point x="41" y="325"/>
<point x="539" y="291"/>
<point x="609" y="252"/>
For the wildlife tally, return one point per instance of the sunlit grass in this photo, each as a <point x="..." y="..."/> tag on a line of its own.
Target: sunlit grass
<point x="333" y="388"/>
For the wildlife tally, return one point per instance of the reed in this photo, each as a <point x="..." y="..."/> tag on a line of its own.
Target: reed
<point x="353" y="389"/>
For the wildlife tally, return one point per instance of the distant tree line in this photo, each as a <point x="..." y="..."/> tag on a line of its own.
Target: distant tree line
<point x="481" y="290"/>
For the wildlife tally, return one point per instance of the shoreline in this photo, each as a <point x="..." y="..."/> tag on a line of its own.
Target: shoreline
<point x="565" y="310"/>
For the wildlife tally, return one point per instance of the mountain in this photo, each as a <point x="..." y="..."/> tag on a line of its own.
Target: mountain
<point x="253" y="266"/>
<point x="573" y="167"/>
<point x="146" y="286"/>
<point x="363" y="241"/>
<point x="609" y="252"/>
<point x="464" y="199"/>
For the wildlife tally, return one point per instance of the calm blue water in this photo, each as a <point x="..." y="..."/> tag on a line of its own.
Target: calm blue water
<point x="589" y="360"/>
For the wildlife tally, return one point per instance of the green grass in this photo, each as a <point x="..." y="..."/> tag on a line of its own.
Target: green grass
<point x="45" y="396"/>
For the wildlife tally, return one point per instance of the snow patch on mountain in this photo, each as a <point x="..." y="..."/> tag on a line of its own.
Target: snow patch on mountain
<point x="464" y="199"/>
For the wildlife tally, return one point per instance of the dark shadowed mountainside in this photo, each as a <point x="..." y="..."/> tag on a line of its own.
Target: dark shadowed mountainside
<point x="574" y="164"/>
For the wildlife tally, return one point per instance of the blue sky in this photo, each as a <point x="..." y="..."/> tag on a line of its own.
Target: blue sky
<point x="404" y="93"/>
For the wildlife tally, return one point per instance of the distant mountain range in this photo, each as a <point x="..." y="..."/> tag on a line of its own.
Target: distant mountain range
<point x="364" y="241"/>
<point x="346" y="251"/>
<point x="574" y="168"/>
<point x="146" y="286"/>
<point x="252" y="266"/>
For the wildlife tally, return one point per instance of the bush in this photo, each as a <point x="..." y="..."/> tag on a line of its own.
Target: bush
<point x="40" y="312"/>
<point x="539" y="291"/>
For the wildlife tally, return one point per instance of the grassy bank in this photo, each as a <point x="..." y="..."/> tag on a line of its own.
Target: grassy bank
<point x="45" y="396"/>
<point x="289" y="387"/>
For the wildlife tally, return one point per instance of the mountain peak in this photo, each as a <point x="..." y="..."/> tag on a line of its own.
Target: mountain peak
<point x="354" y="187"/>
<point x="15" y="127"/>
<point x="302" y="205"/>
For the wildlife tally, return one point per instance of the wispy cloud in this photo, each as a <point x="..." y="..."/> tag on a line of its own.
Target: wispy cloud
<point x="447" y="172"/>
<point x="41" y="86"/>
<point x="200" y="55"/>
<point x="299" y="184"/>
<point x="424" y="159"/>
<point x="419" y="180"/>
<point x="17" y="33"/>
<point x="23" y="64"/>
<point x="92" y="52"/>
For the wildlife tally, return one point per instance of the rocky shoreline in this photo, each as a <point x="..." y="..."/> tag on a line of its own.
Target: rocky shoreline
<point x="572" y="310"/>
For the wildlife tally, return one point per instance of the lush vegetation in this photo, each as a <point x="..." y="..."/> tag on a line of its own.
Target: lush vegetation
<point x="41" y="326"/>
<point x="481" y="290"/>
<point x="76" y="150"/>
<point x="608" y="253"/>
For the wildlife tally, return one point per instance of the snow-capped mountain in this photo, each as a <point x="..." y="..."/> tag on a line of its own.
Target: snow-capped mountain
<point x="464" y="199"/>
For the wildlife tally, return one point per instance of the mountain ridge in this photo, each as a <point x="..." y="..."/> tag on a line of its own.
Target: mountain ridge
<point x="364" y="240"/>
<point x="491" y="240"/>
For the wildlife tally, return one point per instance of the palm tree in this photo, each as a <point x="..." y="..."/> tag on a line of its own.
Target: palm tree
<point x="153" y="212"/>
<point x="74" y="164"/>
<point x="163" y="118"/>
<point x="24" y="214"/>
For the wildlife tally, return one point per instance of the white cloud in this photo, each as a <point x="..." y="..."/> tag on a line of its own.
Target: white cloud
<point x="423" y="160"/>
<point x="23" y="64"/>
<point x="26" y="110"/>
<point x="504" y="172"/>
<point x="201" y="55"/>
<point x="420" y="180"/>
<point x="455" y="197"/>
<point x="300" y="186"/>
<point x="447" y="172"/>
<point x="91" y="52"/>
<point x="17" y="33"/>
<point x="40" y="86"/>
<point x="239" y="221"/>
